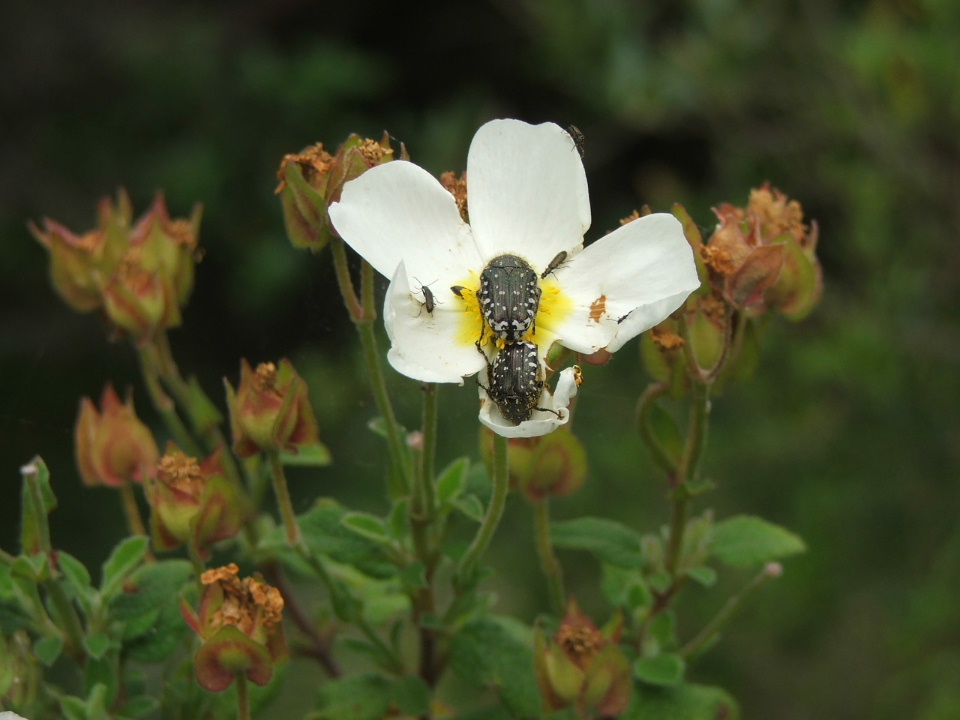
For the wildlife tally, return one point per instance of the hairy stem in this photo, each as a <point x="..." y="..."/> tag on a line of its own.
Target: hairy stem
<point x="501" y="484"/>
<point x="548" y="559"/>
<point x="294" y="538"/>
<point x="716" y="624"/>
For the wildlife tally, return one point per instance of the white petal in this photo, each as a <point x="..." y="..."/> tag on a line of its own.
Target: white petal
<point x="398" y="211"/>
<point x="625" y="283"/>
<point x="541" y="422"/>
<point x="424" y="345"/>
<point x="526" y="191"/>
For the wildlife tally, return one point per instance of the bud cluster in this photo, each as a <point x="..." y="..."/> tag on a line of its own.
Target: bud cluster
<point x="140" y="274"/>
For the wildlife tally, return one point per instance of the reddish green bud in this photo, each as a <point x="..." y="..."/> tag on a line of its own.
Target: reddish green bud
<point x="764" y="257"/>
<point x="113" y="446"/>
<point x="79" y="264"/>
<point x="270" y="410"/>
<point x="140" y="274"/>
<point x="553" y="464"/>
<point x="240" y="624"/>
<point x="154" y="278"/>
<point x="193" y="502"/>
<point x="313" y="179"/>
<point x="583" y="667"/>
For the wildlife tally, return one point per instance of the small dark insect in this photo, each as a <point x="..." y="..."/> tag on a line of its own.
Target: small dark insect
<point x="509" y="296"/>
<point x="554" y="264"/>
<point x="578" y="139"/>
<point x="457" y="290"/>
<point x="516" y="382"/>
<point x="429" y="299"/>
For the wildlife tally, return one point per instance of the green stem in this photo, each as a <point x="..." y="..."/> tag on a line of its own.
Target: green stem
<point x="342" y="270"/>
<point x="427" y="459"/>
<point x="243" y="698"/>
<point x="208" y="432"/>
<point x="67" y="619"/>
<point x="132" y="511"/>
<point x="687" y="471"/>
<point x="362" y="315"/>
<point x="644" y="406"/>
<point x="398" y="449"/>
<point x="163" y="403"/>
<point x="501" y="484"/>
<point x="710" y="630"/>
<point x="548" y="559"/>
<point x="294" y="538"/>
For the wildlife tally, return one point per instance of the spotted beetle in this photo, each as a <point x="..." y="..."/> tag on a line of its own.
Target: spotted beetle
<point x="509" y="296"/>
<point x="516" y="382"/>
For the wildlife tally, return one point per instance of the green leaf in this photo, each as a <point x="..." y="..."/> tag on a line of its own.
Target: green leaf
<point x="359" y="697"/>
<point x="452" y="481"/>
<point x="48" y="649"/>
<point x="101" y="683"/>
<point x="497" y="652"/>
<point x="77" y="578"/>
<point x="414" y="575"/>
<point x="37" y="502"/>
<point x="162" y="638"/>
<point x="611" y="541"/>
<point x="13" y="617"/>
<point x="666" y="433"/>
<point x="746" y="541"/>
<point x="122" y="561"/>
<point x="624" y="588"/>
<point x="412" y="696"/>
<point x="325" y="534"/>
<point x="470" y="506"/>
<point x="367" y="526"/>
<point x="96" y="644"/>
<point x="149" y="588"/>
<point x="73" y="708"/>
<point x="703" y="574"/>
<point x="308" y="456"/>
<point x="139" y="706"/>
<point x="399" y="519"/>
<point x="682" y="702"/>
<point x="665" y="669"/>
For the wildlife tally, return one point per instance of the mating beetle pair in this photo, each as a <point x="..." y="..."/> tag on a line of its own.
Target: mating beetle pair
<point x="509" y="298"/>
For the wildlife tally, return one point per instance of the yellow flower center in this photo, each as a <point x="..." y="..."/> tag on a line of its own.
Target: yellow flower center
<point x="555" y="306"/>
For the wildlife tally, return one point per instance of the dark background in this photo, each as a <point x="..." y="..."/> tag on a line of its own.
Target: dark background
<point x="847" y="433"/>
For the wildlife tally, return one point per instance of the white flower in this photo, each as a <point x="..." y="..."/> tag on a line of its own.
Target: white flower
<point x="527" y="196"/>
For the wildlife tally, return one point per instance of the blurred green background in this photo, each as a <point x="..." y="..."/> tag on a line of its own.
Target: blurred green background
<point x="848" y="433"/>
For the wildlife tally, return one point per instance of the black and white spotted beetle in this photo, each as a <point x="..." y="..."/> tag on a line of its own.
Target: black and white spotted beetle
<point x="509" y="296"/>
<point x="516" y="381"/>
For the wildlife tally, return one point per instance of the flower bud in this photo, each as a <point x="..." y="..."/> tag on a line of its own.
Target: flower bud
<point x="583" y="667"/>
<point x="80" y="264"/>
<point x="552" y="464"/>
<point x="112" y="445"/>
<point x="240" y="624"/>
<point x="154" y="278"/>
<point x="310" y="181"/>
<point x="193" y="502"/>
<point x="270" y="410"/>
<point x="764" y="256"/>
<point x="140" y="274"/>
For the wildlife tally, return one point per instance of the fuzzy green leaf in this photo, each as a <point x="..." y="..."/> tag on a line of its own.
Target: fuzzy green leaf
<point x="496" y="652"/>
<point x="746" y="541"/>
<point x="681" y="702"/>
<point x="665" y="669"/>
<point x="359" y="697"/>
<point x="452" y="481"/>
<point x="611" y="541"/>
<point x="122" y="561"/>
<point x="48" y="649"/>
